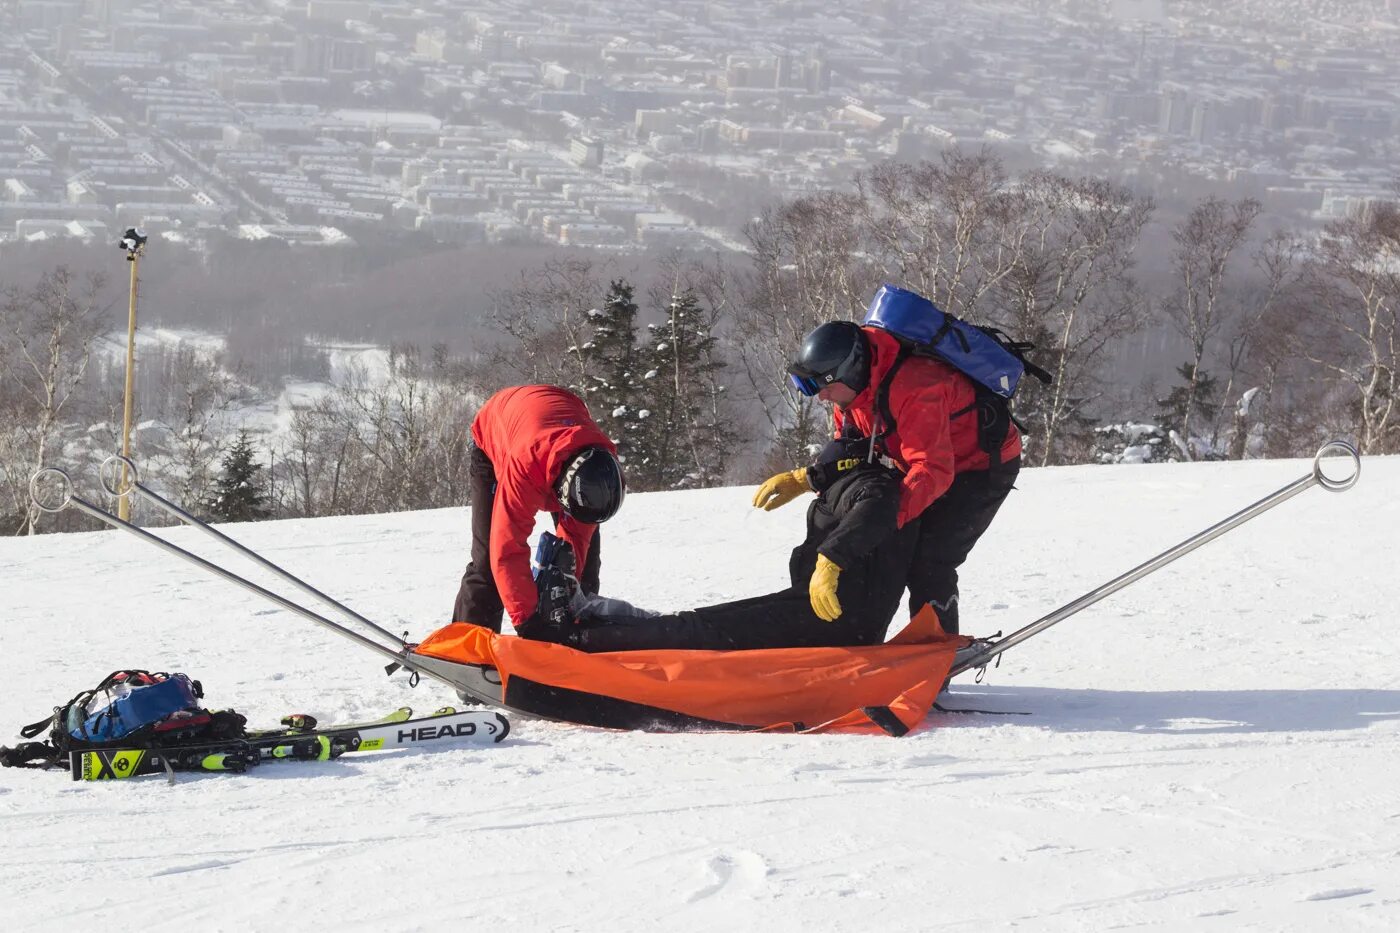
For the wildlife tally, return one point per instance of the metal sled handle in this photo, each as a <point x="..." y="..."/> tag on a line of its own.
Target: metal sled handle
<point x="69" y="499"/>
<point x="1315" y="478"/>
<point x="1336" y="485"/>
<point x="112" y="478"/>
<point x="128" y="474"/>
<point x="36" y="495"/>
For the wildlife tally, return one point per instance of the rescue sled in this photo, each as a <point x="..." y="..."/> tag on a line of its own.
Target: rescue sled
<point x="879" y="689"/>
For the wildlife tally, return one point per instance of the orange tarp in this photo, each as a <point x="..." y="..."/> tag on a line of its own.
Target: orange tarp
<point x="814" y="689"/>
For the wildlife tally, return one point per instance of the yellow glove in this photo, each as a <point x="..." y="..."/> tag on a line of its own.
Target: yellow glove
<point x="822" y="589"/>
<point x="781" y="489"/>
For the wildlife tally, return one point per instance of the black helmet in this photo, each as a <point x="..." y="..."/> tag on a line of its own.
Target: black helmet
<point x="834" y="352"/>
<point x="591" y="487"/>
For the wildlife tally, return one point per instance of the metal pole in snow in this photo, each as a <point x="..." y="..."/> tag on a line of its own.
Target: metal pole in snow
<point x="130" y="483"/>
<point x="66" y="498"/>
<point x="1315" y="478"/>
<point x="134" y="243"/>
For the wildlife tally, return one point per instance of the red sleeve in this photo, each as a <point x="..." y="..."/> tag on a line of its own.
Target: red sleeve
<point x="512" y="521"/>
<point x="925" y="439"/>
<point x="580" y="537"/>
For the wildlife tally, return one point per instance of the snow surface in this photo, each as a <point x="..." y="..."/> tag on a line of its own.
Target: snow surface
<point x="1213" y="748"/>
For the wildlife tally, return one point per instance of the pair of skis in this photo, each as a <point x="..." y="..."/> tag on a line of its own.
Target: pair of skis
<point x="302" y="741"/>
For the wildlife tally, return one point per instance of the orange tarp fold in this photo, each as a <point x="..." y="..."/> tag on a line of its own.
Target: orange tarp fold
<point x="876" y="689"/>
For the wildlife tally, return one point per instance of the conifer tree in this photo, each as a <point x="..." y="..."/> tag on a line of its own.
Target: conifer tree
<point x="687" y="436"/>
<point x="239" y="494"/>
<point x="613" y="387"/>
<point x="1172" y="410"/>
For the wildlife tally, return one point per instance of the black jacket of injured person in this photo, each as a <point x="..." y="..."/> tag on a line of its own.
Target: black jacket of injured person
<point x="852" y="522"/>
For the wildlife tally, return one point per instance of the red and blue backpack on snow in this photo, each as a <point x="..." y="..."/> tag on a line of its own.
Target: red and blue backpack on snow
<point x="132" y="709"/>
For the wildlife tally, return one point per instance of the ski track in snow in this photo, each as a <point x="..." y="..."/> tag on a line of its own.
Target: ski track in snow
<point x="1212" y="748"/>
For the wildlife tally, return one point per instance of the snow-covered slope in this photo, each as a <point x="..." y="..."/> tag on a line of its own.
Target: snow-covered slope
<point x="1214" y="748"/>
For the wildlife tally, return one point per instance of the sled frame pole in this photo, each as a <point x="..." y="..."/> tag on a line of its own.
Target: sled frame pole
<point x="1315" y="478"/>
<point x="66" y="498"/>
<point x="119" y="478"/>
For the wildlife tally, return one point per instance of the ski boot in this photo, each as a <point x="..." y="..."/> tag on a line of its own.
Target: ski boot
<point x="553" y="619"/>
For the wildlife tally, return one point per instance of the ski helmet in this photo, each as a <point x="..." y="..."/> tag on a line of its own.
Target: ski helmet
<point x="834" y="352"/>
<point x="591" y="487"/>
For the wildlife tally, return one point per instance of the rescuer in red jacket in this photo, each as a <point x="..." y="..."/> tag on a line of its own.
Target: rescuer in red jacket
<point x="959" y="456"/>
<point x="534" y="449"/>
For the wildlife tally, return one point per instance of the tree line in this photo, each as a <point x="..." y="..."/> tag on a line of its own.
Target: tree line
<point x="1288" y="339"/>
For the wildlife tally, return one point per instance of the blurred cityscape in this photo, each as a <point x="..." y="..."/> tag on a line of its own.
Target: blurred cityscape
<point x="632" y="125"/>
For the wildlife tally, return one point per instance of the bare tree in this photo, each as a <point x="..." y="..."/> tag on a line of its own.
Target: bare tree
<point x="809" y="266"/>
<point x="1348" y="330"/>
<point x="1070" y="291"/>
<point x="1205" y="241"/>
<point x="382" y="442"/>
<point x="313" y="462"/>
<point x="46" y="336"/>
<point x="546" y="313"/>
<point x="1254" y="356"/>
<point x="199" y="393"/>
<point x="945" y="229"/>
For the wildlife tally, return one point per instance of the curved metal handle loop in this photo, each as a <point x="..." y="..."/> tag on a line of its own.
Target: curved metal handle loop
<point x="129" y="472"/>
<point x="1325" y="481"/>
<point x="65" y="484"/>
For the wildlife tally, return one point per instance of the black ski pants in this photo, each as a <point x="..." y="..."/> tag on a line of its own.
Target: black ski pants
<point x="948" y="529"/>
<point x="869" y="591"/>
<point x="777" y="620"/>
<point x="478" y="599"/>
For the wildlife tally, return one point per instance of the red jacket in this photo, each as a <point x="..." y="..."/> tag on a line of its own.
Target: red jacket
<point x="930" y="446"/>
<point x="529" y="433"/>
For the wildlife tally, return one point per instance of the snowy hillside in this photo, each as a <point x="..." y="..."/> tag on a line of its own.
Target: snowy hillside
<point x="1213" y="748"/>
<point x="261" y="414"/>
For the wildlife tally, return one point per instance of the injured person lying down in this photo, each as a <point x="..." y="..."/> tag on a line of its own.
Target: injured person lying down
<point x="847" y="578"/>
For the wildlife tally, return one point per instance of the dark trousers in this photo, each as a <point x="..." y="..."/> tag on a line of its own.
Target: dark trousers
<point x="778" y="620"/>
<point x="478" y="599"/>
<point x="869" y="592"/>
<point x="947" y="531"/>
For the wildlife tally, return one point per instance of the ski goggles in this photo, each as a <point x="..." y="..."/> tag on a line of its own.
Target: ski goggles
<point x="804" y="384"/>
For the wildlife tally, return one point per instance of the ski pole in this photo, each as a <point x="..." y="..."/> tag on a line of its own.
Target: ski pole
<point x="1316" y="478"/>
<point x="125" y="481"/>
<point x="67" y="498"/>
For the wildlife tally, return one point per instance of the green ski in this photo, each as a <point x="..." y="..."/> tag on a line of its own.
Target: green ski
<point x="238" y="755"/>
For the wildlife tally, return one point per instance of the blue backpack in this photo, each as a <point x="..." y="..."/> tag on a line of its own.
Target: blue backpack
<point x="988" y="357"/>
<point x="136" y="709"/>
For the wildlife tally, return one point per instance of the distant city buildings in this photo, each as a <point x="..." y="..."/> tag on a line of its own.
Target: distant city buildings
<point x="630" y="125"/>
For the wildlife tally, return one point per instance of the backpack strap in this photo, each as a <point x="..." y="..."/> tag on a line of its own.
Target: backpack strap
<point x="1018" y="349"/>
<point x="882" y="402"/>
<point x="56" y="718"/>
<point x="993" y="424"/>
<point x="34" y="728"/>
<point x="29" y="755"/>
<point x="994" y="417"/>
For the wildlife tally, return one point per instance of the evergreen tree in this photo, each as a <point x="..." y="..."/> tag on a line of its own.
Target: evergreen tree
<point x="686" y="437"/>
<point x="613" y="387"/>
<point x="239" y="493"/>
<point x="1171" y="411"/>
